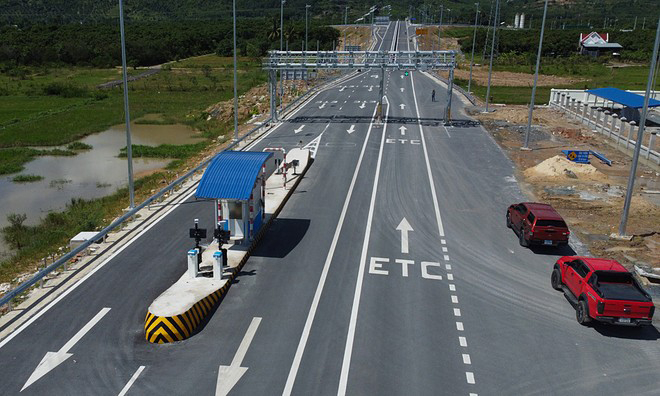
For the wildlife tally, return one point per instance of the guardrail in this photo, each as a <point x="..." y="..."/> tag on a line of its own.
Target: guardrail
<point x="6" y="299"/>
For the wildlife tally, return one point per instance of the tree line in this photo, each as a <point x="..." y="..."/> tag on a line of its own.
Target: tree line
<point x="150" y="43"/>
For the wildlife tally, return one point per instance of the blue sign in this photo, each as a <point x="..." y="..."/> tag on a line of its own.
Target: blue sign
<point x="579" y="156"/>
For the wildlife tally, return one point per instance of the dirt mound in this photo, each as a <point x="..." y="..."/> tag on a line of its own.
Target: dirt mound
<point x="560" y="167"/>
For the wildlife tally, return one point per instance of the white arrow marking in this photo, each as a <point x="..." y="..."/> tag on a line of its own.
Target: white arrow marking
<point x="371" y="87"/>
<point x="323" y="105"/>
<point x="401" y="75"/>
<point x="342" y="88"/>
<point x="362" y="105"/>
<point x="374" y="75"/>
<point x="351" y="129"/>
<point x="403" y="130"/>
<point x="228" y="376"/>
<point x="404" y="227"/>
<point x="299" y="129"/>
<point x="333" y="102"/>
<point x="402" y="105"/>
<point x="54" y="359"/>
<point x="402" y="88"/>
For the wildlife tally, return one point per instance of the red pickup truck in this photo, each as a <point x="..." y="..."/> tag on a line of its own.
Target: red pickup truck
<point x="537" y="223"/>
<point x="602" y="290"/>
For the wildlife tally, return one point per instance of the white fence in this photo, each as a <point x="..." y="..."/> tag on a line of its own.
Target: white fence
<point x="599" y="115"/>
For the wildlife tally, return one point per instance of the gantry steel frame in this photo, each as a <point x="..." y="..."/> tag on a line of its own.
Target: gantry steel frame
<point x="356" y="60"/>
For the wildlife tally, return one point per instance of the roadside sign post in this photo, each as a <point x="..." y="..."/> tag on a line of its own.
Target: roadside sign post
<point x="129" y="146"/>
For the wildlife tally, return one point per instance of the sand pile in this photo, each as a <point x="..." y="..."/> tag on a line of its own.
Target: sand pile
<point x="560" y="167"/>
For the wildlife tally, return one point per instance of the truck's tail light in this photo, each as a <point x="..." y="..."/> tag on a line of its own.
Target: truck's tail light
<point x="651" y="311"/>
<point x="600" y="308"/>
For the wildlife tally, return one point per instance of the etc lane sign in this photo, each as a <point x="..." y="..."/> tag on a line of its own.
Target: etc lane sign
<point x="387" y="266"/>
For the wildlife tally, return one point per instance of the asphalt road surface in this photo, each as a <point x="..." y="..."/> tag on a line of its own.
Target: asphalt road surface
<point x="390" y="271"/>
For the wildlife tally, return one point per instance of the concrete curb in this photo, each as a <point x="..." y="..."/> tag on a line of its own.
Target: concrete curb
<point x="161" y="330"/>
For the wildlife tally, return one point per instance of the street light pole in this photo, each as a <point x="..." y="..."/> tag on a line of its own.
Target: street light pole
<point x="492" y="50"/>
<point x="442" y="7"/>
<point x="346" y="15"/>
<point x="640" y="136"/>
<point x="129" y="146"/>
<point x="235" y="77"/>
<point x="306" y="8"/>
<point x="281" y="48"/>
<point x="536" y="78"/>
<point x="474" y="39"/>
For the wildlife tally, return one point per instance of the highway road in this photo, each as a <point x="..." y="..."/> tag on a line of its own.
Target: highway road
<point x="390" y="271"/>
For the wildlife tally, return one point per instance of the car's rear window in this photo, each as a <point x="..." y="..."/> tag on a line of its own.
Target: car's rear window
<point x="550" y="223"/>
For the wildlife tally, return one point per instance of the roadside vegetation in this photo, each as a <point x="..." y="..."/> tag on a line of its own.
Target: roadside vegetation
<point x="517" y="54"/>
<point x="26" y="178"/>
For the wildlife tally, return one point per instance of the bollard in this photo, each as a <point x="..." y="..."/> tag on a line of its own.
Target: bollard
<point x="574" y="105"/>
<point x="193" y="266"/>
<point x="591" y="116"/>
<point x="217" y="266"/>
<point x="41" y="281"/>
<point x="606" y="114"/>
<point x="615" y="116"/>
<point x="630" y="132"/>
<point x="622" y="129"/>
<point x="651" y="141"/>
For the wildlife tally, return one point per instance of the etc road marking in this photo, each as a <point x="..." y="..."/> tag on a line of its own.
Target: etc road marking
<point x="293" y="372"/>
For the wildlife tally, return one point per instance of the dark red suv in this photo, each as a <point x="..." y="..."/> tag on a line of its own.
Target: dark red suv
<point x="537" y="223"/>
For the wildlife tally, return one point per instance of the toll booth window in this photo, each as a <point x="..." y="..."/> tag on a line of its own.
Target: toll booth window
<point x="235" y="210"/>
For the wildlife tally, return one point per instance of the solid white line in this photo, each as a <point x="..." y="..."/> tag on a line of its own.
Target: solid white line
<point x="131" y="381"/>
<point x="459" y="326"/>
<point x="86" y="328"/>
<point x="245" y="343"/>
<point x="466" y="359"/>
<point x="436" y="207"/>
<point x="348" y="351"/>
<point x="462" y="341"/>
<point x="324" y="273"/>
<point x="470" y="377"/>
<point x="457" y="312"/>
<point x="92" y="272"/>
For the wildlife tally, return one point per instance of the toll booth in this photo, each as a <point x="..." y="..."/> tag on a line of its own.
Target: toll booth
<point x="235" y="181"/>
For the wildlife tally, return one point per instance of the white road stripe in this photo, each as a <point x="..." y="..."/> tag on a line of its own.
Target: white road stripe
<point x="131" y="381"/>
<point x="462" y="341"/>
<point x="324" y="273"/>
<point x="343" y="379"/>
<point x="470" y="377"/>
<point x="454" y="299"/>
<point x="459" y="326"/>
<point x="457" y="312"/>
<point x="448" y="267"/>
<point x="450" y="276"/>
<point x="452" y="287"/>
<point x="466" y="359"/>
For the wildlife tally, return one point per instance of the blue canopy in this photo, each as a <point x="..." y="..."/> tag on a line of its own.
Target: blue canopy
<point x="231" y="175"/>
<point x="625" y="98"/>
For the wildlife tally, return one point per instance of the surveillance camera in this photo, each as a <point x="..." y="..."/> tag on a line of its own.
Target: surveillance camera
<point x="196" y="221"/>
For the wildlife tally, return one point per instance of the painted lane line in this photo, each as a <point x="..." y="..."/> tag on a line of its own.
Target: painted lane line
<point x="452" y="287"/>
<point x="131" y="381"/>
<point x="462" y="341"/>
<point x="459" y="326"/>
<point x="448" y="267"/>
<point x="348" y="351"/>
<point x="457" y="312"/>
<point x="466" y="359"/>
<point x="228" y="376"/>
<point x="443" y="241"/>
<point x="436" y="206"/>
<point x="454" y="299"/>
<point x="450" y="277"/>
<point x="470" y="377"/>
<point x="444" y="249"/>
<point x="54" y="359"/>
<point x="324" y="273"/>
<point x="446" y="257"/>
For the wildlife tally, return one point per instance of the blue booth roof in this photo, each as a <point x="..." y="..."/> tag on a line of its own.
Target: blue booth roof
<point x="625" y="98"/>
<point x="231" y="175"/>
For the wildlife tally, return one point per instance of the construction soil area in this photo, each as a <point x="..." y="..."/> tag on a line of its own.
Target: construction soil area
<point x="508" y="79"/>
<point x="590" y="197"/>
<point x="360" y="35"/>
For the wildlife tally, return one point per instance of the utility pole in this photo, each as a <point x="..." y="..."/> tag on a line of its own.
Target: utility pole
<point x="492" y="50"/>
<point x="129" y="146"/>
<point x="635" y="24"/>
<point x="235" y="77"/>
<point x="640" y="135"/>
<point x="306" y="8"/>
<point x="474" y="38"/>
<point x="281" y="48"/>
<point x="536" y="78"/>
<point x="442" y="7"/>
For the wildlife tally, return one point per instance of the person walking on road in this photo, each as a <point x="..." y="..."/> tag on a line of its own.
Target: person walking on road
<point x="433" y="96"/>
